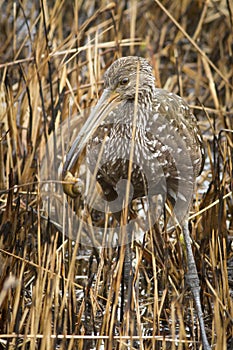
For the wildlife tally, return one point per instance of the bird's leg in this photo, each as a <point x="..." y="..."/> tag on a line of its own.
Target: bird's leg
<point x="127" y="275"/>
<point x="125" y="253"/>
<point x="128" y="315"/>
<point x="193" y="282"/>
<point x="126" y="241"/>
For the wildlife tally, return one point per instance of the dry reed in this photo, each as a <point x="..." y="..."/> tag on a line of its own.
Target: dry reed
<point x="58" y="294"/>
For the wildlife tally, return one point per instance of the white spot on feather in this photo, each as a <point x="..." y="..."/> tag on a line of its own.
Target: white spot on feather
<point x="182" y="197"/>
<point x="164" y="148"/>
<point x="161" y="128"/>
<point x="155" y="117"/>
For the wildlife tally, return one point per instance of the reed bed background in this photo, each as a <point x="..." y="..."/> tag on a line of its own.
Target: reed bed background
<point x="54" y="292"/>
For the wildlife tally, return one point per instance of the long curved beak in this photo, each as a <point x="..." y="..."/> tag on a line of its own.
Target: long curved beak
<point x="107" y="102"/>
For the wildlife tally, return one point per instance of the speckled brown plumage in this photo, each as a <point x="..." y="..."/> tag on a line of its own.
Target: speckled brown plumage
<point x="151" y="132"/>
<point x="168" y="153"/>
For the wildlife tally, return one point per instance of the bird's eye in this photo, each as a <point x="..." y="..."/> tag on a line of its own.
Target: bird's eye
<point x="124" y="81"/>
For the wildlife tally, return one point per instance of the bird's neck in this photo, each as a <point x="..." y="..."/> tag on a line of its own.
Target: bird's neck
<point x="146" y="95"/>
<point x="136" y="115"/>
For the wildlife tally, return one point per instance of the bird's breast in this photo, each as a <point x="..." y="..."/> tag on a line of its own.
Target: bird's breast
<point x="123" y="152"/>
<point x="156" y="149"/>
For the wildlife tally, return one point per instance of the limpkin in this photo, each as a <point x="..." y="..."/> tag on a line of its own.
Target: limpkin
<point x="149" y="137"/>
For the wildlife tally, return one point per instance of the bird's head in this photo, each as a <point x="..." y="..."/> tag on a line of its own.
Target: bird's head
<point x="129" y="75"/>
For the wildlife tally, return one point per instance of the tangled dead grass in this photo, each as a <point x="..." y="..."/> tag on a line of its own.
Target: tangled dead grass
<point x="55" y="293"/>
